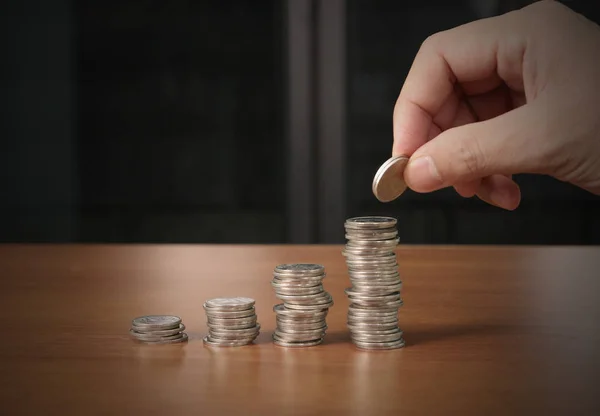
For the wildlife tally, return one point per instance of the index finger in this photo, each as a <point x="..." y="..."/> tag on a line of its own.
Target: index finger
<point x="475" y="55"/>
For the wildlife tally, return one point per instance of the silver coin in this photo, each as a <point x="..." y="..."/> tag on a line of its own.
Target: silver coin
<point x="307" y="337"/>
<point x="352" y="254"/>
<point x="232" y="321"/>
<point x="156" y="322"/>
<point x="354" y="294"/>
<point x="299" y="335"/>
<point x="229" y="304"/>
<point x="374" y="331"/>
<point x="370" y="222"/>
<point x="379" y="345"/>
<point x="227" y="339"/>
<point x="379" y="290"/>
<point x="369" y="263"/>
<point x="371" y="318"/>
<point x="295" y="283"/>
<point x="311" y="307"/>
<point x="248" y="325"/>
<point x="299" y="327"/>
<point x="387" y="244"/>
<point x="281" y="310"/>
<point x="293" y="321"/>
<point x="231" y="314"/>
<point x="381" y="273"/>
<point x="389" y="231"/>
<point x="388" y="183"/>
<point x="371" y="313"/>
<point x="291" y="291"/>
<point x="375" y="326"/>
<point x="159" y="332"/>
<point x="234" y="333"/>
<point x="322" y="297"/>
<point x="299" y="269"/>
<point x="362" y="337"/>
<point x="211" y="342"/>
<point x="360" y="250"/>
<point x="148" y="337"/>
<point x="305" y="344"/>
<point x="182" y="338"/>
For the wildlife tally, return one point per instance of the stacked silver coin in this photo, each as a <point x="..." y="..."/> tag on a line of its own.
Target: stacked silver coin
<point x="301" y="318"/>
<point x="232" y="322"/>
<point x="158" y="329"/>
<point x="375" y="293"/>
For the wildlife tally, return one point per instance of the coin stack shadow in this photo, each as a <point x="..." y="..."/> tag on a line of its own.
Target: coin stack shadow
<point x="375" y="293"/>
<point x="158" y="329"/>
<point x="301" y="318"/>
<point x="231" y="322"/>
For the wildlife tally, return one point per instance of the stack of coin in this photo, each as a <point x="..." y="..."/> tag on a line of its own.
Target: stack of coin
<point x="232" y="322"/>
<point x="375" y="293"/>
<point x="158" y="329"/>
<point x="301" y="317"/>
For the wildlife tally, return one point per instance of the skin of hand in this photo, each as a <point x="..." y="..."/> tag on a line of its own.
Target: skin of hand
<point x="516" y="93"/>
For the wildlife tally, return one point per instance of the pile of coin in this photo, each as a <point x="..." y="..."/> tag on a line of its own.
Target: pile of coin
<point x="375" y="293"/>
<point x="301" y="318"/>
<point x="158" y="329"/>
<point x="232" y="322"/>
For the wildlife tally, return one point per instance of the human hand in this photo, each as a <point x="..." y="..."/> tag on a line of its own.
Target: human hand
<point x="517" y="93"/>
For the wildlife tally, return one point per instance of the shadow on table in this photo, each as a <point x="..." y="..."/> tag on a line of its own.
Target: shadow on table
<point x="425" y="335"/>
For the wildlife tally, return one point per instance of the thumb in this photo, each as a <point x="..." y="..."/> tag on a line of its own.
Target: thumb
<point x="502" y="145"/>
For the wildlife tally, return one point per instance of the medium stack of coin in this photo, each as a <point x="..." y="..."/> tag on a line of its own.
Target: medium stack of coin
<point x="158" y="329"/>
<point x="301" y="318"/>
<point x="232" y="322"/>
<point x="375" y="293"/>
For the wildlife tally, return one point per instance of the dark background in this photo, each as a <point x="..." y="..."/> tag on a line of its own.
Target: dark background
<point x="176" y="122"/>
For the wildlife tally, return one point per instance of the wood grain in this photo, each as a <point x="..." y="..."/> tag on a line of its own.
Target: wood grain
<point x="489" y="330"/>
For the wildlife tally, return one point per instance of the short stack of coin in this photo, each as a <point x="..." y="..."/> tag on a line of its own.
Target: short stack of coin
<point x="301" y="318"/>
<point x="375" y="293"/>
<point x="232" y="322"/>
<point x="158" y="329"/>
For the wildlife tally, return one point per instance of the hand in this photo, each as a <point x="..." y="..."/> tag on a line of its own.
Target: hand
<point x="517" y="93"/>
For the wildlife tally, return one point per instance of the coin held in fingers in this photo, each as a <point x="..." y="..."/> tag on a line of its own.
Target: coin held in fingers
<point x="388" y="183"/>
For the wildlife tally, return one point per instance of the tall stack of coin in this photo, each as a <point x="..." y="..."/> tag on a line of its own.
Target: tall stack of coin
<point x="301" y="318"/>
<point x="158" y="329"/>
<point x="376" y="285"/>
<point x="232" y="322"/>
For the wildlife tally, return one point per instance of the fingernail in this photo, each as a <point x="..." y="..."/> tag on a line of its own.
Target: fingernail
<point x="422" y="175"/>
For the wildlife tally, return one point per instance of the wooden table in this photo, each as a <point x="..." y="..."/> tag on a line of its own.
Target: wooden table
<point x="489" y="330"/>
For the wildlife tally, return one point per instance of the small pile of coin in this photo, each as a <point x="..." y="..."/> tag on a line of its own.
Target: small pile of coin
<point x="375" y="293"/>
<point x="301" y="318"/>
<point x="232" y="322"/>
<point x="158" y="329"/>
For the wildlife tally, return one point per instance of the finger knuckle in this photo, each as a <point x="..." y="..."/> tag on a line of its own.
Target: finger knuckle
<point x="431" y="41"/>
<point x="471" y="157"/>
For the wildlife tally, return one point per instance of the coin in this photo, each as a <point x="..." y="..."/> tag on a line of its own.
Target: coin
<point x="229" y="304"/>
<point x="301" y="318"/>
<point x="150" y="337"/>
<point x="158" y="332"/>
<point x="379" y="345"/>
<point x="158" y="329"/>
<point x="169" y="340"/>
<point x="215" y="342"/>
<point x="388" y="183"/>
<point x="231" y="322"/>
<point x="294" y="344"/>
<point x="371" y="223"/>
<point x="156" y="322"/>
<point x="375" y="289"/>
